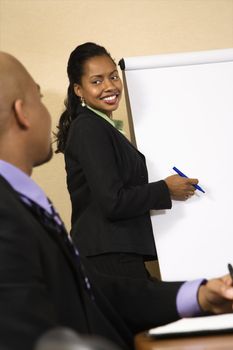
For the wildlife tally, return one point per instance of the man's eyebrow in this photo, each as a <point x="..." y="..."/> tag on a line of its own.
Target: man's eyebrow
<point x="38" y="86"/>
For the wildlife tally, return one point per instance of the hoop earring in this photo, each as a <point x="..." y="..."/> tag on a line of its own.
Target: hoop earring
<point x="83" y="104"/>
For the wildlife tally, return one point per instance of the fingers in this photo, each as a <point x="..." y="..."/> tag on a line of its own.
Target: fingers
<point x="217" y="295"/>
<point x="193" y="181"/>
<point x="190" y="189"/>
<point x="186" y="182"/>
<point x="190" y="183"/>
<point x="189" y="195"/>
<point x="227" y="287"/>
<point x="227" y="280"/>
<point x="181" y="188"/>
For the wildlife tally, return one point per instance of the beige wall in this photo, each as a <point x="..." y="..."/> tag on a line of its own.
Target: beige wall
<point x="42" y="33"/>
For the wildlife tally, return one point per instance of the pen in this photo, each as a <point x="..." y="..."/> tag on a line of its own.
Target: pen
<point x="183" y="175"/>
<point x="230" y="268"/>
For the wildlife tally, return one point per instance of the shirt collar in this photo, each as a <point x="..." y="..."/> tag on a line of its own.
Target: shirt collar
<point x="23" y="184"/>
<point x="101" y="114"/>
<point x="115" y="123"/>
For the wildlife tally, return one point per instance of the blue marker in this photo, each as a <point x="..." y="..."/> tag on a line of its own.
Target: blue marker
<point x="183" y="175"/>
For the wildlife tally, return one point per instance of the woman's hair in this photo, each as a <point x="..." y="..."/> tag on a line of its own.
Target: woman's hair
<point x="75" y="71"/>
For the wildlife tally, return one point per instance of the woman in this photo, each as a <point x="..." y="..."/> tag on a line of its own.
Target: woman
<point x="106" y="175"/>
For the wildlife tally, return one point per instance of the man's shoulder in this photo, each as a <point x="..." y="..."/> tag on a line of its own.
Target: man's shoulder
<point x="6" y="190"/>
<point x="12" y="208"/>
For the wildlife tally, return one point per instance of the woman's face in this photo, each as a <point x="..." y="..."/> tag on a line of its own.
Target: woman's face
<point x="101" y="85"/>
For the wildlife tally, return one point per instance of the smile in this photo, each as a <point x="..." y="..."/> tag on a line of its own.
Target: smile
<point x="110" y="99"/>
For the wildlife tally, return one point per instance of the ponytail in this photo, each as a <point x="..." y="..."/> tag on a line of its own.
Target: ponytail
<point x="71" y="103"/>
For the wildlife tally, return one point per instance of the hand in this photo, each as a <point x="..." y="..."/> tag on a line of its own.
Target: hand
<point x="180" y="188"/>
<point x="216" y="296"/>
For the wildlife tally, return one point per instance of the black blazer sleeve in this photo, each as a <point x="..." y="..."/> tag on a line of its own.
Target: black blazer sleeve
<point x="143" y="304"/>
<point x="115" y="171"/>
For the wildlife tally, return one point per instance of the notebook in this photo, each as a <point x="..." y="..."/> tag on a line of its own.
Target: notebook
<point x="195" y="326"/>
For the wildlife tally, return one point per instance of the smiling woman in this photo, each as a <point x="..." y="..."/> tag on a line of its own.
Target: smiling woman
<point x="100" y="86"/>
<point x="106" y="175"/>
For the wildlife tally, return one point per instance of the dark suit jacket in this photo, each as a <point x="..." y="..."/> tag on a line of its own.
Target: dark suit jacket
<point x="108" y="184"/>
<point x="41" y="286"/>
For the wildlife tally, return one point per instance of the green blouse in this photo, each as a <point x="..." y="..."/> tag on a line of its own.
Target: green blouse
<point x="118" y="124"/>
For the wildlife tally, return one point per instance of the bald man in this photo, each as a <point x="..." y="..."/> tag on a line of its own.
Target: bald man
<point x="42" y="282"/>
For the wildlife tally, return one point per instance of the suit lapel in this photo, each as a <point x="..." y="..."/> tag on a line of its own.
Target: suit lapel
<point x="56" y="232"/>
<point x="51" y="228"/>
<point x="83" y="114"/>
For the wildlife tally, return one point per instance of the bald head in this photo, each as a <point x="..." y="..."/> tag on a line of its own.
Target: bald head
<point x="25" y="123"/>
<point x="14" y="82"/>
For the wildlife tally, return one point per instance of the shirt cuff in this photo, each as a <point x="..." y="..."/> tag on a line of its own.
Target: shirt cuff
<point x="187" y="301"/>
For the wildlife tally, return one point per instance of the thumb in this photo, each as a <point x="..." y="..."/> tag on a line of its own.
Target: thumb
<point x="193" y="181"/>
<point x="227" y="292"/>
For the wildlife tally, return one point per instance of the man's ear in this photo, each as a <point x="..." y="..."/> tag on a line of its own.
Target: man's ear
<point x="20" y="114"/>
<point x="77" y="90"/>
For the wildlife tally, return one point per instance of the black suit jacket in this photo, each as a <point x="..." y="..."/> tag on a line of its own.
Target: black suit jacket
<point x="108" y="184"/>
<point x="41" y="286"/>
<point x="40" y="283"/>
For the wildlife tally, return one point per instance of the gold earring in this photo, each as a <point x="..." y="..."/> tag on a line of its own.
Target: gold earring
<point x="83" y="104"/>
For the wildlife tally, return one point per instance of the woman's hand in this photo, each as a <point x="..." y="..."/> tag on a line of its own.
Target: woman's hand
<point x="180" y="188"/>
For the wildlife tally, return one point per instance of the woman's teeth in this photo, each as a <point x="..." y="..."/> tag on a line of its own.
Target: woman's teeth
<point x="109" y="98"/>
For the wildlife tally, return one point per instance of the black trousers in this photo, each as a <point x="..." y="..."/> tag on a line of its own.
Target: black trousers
<point x="120" y="264"/>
